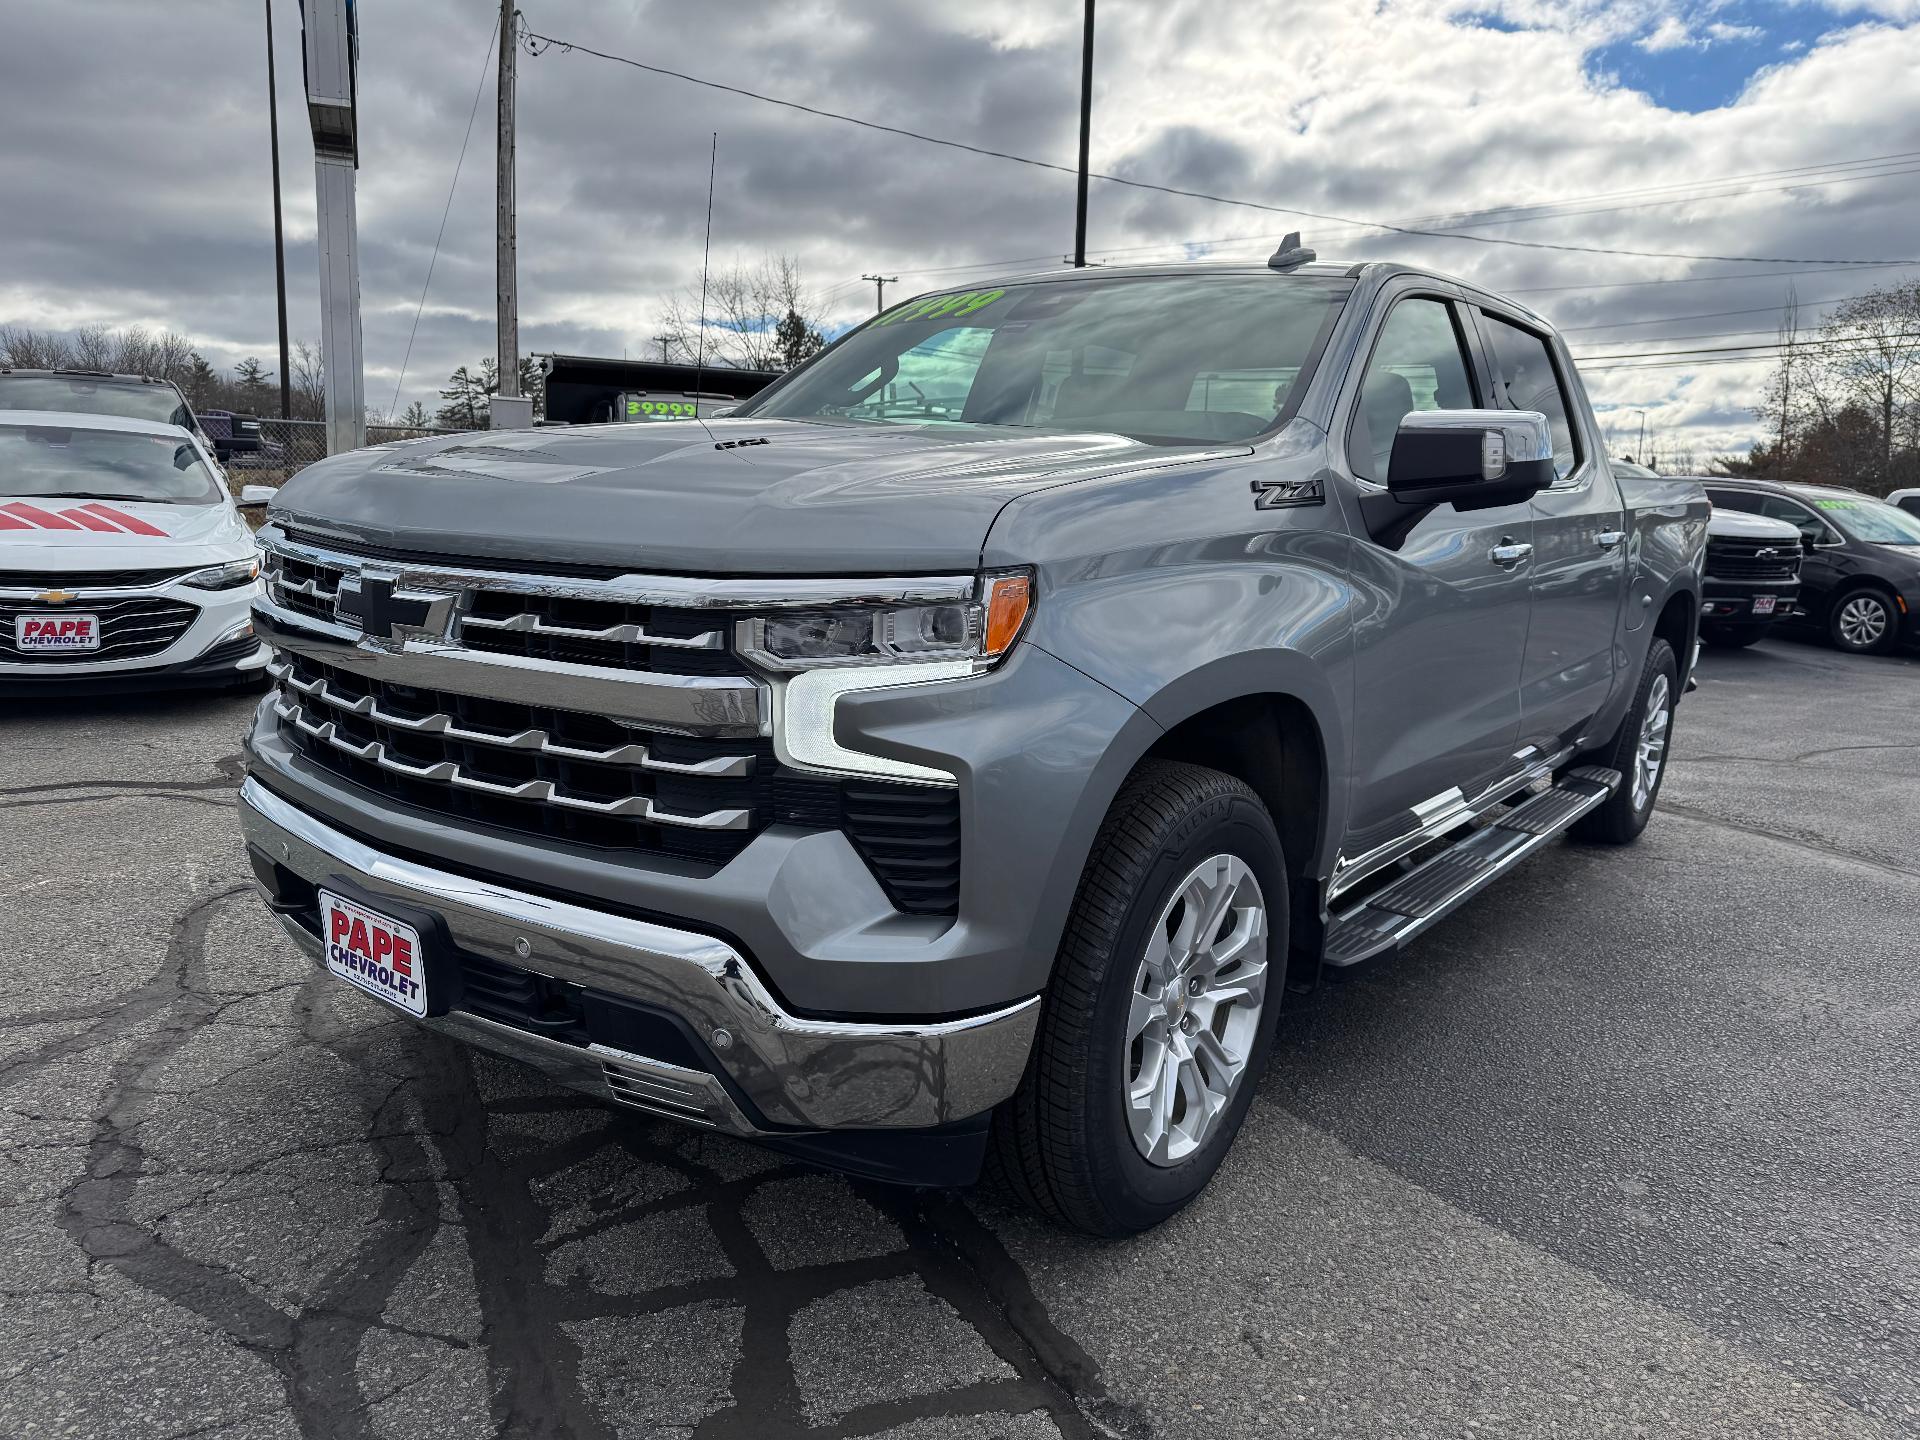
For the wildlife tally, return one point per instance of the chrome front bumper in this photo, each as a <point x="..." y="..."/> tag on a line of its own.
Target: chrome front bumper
<point x="793" y="1073"/>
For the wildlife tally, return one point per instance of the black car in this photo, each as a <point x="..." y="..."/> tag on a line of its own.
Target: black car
<point x="1860" y="569"/>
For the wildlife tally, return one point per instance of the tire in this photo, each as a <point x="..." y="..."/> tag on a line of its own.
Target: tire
<point x="1862" y="621"/>
<point x="1731" y="639"/>
<point x="1066" y="1143"/>
<point x="1625" y="814"/>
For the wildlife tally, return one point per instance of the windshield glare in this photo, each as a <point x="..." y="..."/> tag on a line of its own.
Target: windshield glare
<point x="1165" y="359"/>
<point x="38" y="461"/>
<point x="1872" y="520"/>
<point x="81" y="395"/>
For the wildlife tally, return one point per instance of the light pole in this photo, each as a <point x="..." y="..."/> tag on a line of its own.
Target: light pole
<point x="1086" y="136"/>
<point x="1640" y="455"/>
<point x="279" y="239"/>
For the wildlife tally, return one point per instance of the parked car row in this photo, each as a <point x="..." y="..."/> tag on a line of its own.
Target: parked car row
<point x="1815" y="558"/>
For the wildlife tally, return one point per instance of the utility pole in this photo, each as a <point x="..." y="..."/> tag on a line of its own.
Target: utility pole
<point x="517" y="414"/>
<point x="1642" y="456"/>
<point x="1086" y="139"/>
<point x="279" y="237"/>
<point x="663" y="341"/>
<point x="332" y="49"/>
<point x="880" y="284"/>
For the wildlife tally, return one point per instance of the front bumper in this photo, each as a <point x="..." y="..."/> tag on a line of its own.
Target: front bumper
<point x="217" y="648"/>
<point x="1729" y="603"/>
<point x="758" y="1070"/>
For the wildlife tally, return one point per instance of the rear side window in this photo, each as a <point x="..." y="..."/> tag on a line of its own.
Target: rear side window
<point x="1416" y="364"/>
<point x="1524" y="378"/>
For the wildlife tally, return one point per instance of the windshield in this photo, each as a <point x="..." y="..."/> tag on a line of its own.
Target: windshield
<point x="1873" y="520"/>
<point x="45" y="460"/>
<point x="91" y="395"/>
<point x="1165" y="359"/>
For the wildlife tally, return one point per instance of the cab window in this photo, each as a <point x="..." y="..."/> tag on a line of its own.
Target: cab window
<point x="1524" y="378"/>
<point x="1418" y="363"/>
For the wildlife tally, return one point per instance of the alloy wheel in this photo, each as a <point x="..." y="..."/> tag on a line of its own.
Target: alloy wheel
<point x="1863" y="621"/>
<point x="1650" y="753"/>
<point x="1198" y="995"/>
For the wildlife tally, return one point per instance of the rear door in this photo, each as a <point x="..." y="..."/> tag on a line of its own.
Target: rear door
<point x="1442" y="619"/>
<point x="1579" y="564"/>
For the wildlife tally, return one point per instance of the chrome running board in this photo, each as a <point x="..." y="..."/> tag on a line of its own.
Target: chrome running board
<point x="1389" y="918"/>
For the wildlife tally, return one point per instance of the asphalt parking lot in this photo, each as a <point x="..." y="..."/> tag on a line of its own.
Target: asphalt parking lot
<point x="1629" y="1147"/>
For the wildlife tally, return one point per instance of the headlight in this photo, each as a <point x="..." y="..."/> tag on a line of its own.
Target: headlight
<point x="224" y="577"/>
<point x="982" y="630"/>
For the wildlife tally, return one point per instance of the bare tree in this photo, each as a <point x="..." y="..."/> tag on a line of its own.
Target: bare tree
<point x="24" y="348"/>
<point x="1870" y="360"/>
<point x="756" y="317"/>
<point x="309" y="383"/>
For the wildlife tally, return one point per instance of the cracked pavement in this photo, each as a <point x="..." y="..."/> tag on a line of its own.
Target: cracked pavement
<point x="1627" y="1147"/>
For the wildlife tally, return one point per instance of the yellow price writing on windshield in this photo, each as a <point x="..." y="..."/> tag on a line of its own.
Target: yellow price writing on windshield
<point x="942" y="307"/>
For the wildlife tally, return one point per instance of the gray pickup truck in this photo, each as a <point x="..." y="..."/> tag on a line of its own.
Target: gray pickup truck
<point x="956" y="755"/>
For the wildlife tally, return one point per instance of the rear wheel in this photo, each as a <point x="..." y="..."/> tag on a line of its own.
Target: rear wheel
<point x="1161" y="1009"/>
<point x="1639" y="753"/>
<point x="1862" y="621"/>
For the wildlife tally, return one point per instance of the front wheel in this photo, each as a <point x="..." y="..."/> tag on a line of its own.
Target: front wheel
<point x="1862" y="622"/>
<point x="1639" y="753"/>
<point x="1160" y="1013"/>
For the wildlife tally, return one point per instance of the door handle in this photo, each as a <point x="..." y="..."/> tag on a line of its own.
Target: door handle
<point x="1610" y="538"/>
<point x="1509" y="554"/>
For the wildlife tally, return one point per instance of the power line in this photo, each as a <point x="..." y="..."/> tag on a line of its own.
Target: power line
<point x="440" y="234"/>
<point x="538" y="43"/>
<point x="1845" y="345"/>
<point x="1700" y="315"/>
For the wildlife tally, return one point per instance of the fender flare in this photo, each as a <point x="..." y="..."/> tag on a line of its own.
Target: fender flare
<point x="1281" y="673"/>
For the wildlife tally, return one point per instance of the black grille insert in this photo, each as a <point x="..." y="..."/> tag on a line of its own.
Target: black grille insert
<point x="1741" y="560"/>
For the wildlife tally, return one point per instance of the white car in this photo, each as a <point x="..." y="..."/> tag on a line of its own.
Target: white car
<point x="124" y="562"/>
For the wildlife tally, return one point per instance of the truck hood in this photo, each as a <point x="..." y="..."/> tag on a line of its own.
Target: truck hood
<point x="42" y="534"/>
<point x="727" y="497"/>
<point x="1739" y="525"/>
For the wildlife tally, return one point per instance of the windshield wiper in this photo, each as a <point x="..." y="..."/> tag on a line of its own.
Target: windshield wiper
<point x="112" y="495"/>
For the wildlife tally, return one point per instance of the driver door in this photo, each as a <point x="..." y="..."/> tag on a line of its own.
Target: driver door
<point x="1441" y="623"/>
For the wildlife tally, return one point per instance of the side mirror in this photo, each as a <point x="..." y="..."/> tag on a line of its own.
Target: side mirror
<point x="1473" y="459"/>
<point x="255" y="495"/>
<point x="722" y="412"/>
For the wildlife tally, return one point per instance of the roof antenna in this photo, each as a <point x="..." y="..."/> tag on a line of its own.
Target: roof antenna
<point x="706" y="250"/>
<point x="1292" y="254"/>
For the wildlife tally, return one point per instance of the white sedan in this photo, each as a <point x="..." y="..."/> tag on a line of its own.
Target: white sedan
<point x="124" y="563"/>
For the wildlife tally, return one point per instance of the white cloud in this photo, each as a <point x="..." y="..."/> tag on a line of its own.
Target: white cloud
<point x="1670" y="34"/>
<point x="136" y="165"/>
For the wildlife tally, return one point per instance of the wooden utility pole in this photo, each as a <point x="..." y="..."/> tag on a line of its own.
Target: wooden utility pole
<point x="505" y="259"/>
<point x="880" y="284"/>
<point x="279" y="236"/>
<point x="1086" y="139"/>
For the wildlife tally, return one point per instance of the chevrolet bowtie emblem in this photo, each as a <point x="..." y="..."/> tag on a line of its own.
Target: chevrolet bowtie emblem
<point x="55" y="597"/>
<point x="387" y="613"/>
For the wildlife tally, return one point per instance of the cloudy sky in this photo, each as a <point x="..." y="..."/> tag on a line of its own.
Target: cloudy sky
<point x="135" y="168"/>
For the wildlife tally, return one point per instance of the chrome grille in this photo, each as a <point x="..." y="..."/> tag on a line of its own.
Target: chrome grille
<point x="129" y="629"/>
<point x="609" y="712"/>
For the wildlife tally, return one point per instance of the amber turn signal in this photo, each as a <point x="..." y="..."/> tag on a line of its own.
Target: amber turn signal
<point x="1009" y="598"/>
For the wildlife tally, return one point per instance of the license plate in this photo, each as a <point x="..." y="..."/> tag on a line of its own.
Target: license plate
<point x="368" y="949"/>
<point x="1763" y="604"/>
<point x="55" y="632"/>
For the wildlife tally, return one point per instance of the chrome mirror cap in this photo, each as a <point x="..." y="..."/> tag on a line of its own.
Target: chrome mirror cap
<point x="1508" y="437"/>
